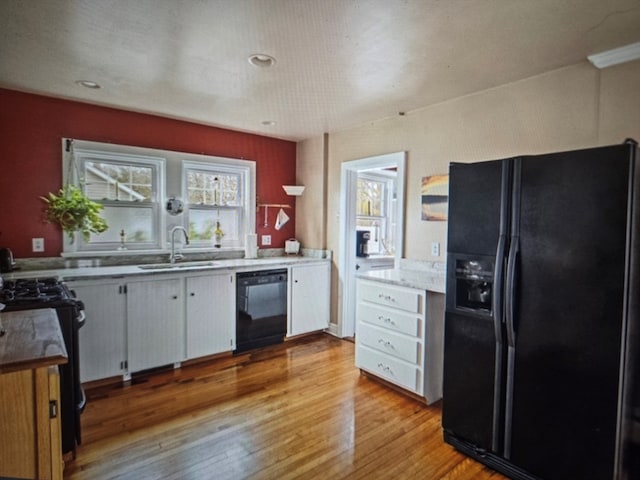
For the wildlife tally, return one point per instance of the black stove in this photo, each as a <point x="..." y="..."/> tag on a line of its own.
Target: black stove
<point x="35" y="291"/>
<point x="26" y="294"/>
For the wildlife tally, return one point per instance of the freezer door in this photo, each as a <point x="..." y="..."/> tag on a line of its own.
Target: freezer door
<point x="569" y="283"/>
<point x="473" y="358"/>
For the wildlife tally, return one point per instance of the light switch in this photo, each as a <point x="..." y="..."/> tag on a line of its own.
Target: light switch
<point x="37" y="244"/>
<point x="266" y="239"/>
<point x="435" y="249"/>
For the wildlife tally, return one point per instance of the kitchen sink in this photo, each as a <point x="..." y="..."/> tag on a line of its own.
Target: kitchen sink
<point x="177" y="265"/>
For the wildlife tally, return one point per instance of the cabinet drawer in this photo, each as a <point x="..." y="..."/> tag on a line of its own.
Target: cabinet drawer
<point x="387" y="367"/>
<point x="390" y="295"/>
<point x="393" y="319"/>
<point x="394" y="344"/>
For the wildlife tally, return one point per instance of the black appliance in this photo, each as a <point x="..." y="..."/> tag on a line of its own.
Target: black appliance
<point x="362" y="243"/>
<point x="6" y="260"/>
<point x="261" y="309"/>
<point x="542" y="314"/>
<point x="26" y="294"/>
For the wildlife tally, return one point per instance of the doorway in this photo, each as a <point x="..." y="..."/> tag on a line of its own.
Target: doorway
<point x="390" y="237"/>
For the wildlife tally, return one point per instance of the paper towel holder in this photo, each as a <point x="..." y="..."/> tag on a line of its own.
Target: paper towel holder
<point x="293" y="190"/>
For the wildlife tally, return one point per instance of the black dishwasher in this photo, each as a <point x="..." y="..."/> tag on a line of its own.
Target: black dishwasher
<point x="261" y="308"/>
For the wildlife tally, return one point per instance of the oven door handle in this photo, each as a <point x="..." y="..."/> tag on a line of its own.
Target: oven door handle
<point x="81" y="318"/>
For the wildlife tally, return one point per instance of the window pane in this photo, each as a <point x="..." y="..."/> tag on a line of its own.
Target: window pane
<point x="110" y="181"/>
<point x="370" y="198"/>
<point x="210" y="188"/>
<point x="137" y="223"/>
<point x="202" y="224"/>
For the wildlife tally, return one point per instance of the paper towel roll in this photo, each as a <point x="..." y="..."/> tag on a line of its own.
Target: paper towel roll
<point x="251" y="246"/>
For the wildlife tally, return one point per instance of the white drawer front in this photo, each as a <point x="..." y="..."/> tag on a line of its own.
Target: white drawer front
<point x="390" y="295"/>
<point x="388" y="368"/>
<point x="399" y="346"/>
<point x="392" y="319"/>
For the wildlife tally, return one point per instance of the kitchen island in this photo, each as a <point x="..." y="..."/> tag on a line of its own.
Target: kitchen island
<point x="30" y="351"/>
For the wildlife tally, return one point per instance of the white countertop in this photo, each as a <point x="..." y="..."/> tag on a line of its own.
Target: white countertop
<point x="90" y="273"/>
<point x="431" y="281"/>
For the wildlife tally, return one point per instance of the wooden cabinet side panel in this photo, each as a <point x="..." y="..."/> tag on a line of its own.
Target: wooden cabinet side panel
<point x="17" y="417"/>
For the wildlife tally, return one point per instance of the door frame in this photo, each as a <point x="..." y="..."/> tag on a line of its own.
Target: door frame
<point x="347" y="257"/>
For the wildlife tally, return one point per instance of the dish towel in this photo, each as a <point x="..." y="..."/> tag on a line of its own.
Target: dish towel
<point x="281" y="219"/>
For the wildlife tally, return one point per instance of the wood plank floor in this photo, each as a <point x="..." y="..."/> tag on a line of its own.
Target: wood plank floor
<point x="300" y="410"/>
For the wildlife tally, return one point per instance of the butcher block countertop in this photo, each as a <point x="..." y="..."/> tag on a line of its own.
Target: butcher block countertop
<point x="32" y="340"/>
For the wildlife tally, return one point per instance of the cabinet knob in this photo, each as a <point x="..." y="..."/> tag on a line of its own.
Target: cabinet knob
<point x="175" y="297"/>
<point x="192" y="294"/>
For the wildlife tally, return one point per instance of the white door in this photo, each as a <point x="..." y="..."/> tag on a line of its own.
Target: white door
<point x="211" y="310"/>
<point x="155" y="324"/>
<point x="310" y="294"/>
<point x="102" y="337"/>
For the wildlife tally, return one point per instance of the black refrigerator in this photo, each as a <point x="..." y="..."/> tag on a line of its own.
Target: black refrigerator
<point x="542" y="314"/>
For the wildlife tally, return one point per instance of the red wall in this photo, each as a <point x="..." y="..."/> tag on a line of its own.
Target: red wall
<point x="31" y="127"/>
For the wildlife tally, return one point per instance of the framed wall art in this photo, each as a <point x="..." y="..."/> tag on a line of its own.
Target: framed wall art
<point x="435" y="198"/>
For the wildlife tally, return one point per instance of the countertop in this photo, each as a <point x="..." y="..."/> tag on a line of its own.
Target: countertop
<point x="422" y="280"/>
<point x="90" y="273"/>
<point x="32" y="340"/>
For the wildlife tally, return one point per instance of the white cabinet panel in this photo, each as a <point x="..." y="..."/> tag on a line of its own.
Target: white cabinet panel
<point x="393" y="319"/>
<point x="389" y="368"/>
<point x="394" y="344"/>
<point x="102" y="338"/>
<point x="155" y="327"/>
<point x="210" y="307"/>
<point x="391" y="296"/>
<point x="310" y="293"/>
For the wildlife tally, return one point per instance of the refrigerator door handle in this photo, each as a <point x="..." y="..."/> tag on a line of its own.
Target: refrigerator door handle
<point x="510" y="289"/>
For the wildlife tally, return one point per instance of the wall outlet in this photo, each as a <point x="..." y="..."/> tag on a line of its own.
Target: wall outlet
<point x="37" y="244"/>
<point x="266" y="239"/>
<point x="435" y="249"/>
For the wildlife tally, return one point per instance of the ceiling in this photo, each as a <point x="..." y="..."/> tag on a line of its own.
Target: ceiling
<point x="339" y="63"/>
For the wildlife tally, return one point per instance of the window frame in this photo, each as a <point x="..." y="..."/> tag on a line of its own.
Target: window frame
<point x="75" y="164"/>
<point x="245" y="169"/>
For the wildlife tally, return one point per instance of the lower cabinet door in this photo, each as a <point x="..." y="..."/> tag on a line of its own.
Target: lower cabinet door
<point x="210" y="314"/>
<point x="102" y="337"/>
<point x="155" y="323"/>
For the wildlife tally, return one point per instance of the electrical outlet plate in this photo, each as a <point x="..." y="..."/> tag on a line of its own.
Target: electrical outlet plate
<point x="266" y="239"/>
<point x="37" y="244"/>
<point x="435" y="249"/>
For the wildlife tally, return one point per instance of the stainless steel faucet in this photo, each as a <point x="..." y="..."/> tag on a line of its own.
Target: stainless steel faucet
<point x="176" y="256"/>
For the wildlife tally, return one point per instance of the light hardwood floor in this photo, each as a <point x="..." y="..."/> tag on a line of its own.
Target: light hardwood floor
<point x="300" y="410"/>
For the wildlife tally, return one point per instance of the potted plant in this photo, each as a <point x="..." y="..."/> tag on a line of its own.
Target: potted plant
<point x="74" y="212"/>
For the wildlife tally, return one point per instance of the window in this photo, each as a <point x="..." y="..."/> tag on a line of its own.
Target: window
<point x="375" y="192"/>
<point x="217" y="198"/>
<point x="128" y="186"/>
<point x="132" y="183"/>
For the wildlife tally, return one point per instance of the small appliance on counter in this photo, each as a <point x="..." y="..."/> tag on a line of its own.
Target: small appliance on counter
<point x="292" y="246"/>
<point x="6" y="260"/>
<point x="362" y="243"/>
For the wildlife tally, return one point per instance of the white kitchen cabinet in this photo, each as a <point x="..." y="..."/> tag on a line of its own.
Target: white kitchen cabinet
<point x="102" y="338"/>
<point x="310" y="293"/>
<point x="399" y="336"/>
<point x="155" y="323"/>
<point x="210" y="314"/>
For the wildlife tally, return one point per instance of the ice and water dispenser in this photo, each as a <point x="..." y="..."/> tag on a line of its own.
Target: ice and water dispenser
<point x="474" y="284"/>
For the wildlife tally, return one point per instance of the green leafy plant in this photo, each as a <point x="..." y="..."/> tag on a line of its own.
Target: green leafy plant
<point x="74" y="212"/>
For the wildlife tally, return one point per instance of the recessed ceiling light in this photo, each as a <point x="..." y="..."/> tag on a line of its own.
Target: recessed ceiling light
<point x="268" y="123"/>
<point x="88" y="84"/>
<point x="262" y="60"/>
